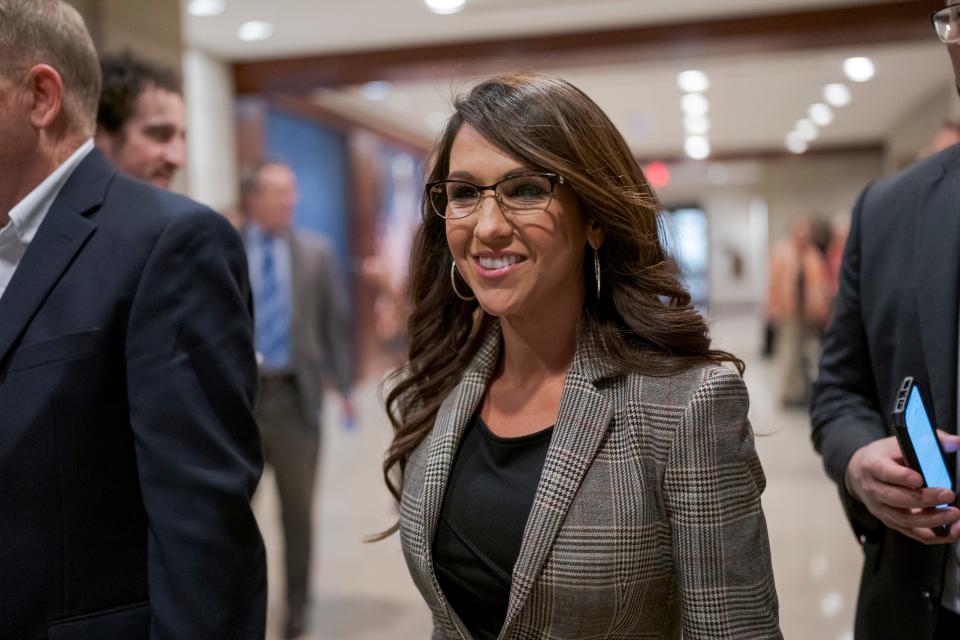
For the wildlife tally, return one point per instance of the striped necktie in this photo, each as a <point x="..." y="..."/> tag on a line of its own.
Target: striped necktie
<point x="273" y="313"/>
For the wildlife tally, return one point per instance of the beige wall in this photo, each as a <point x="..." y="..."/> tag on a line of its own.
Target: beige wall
<point x="148" y="27"/>
<point x="908" y="139"/>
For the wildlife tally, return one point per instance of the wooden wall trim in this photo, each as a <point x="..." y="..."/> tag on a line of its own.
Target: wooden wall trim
<point x="859" y="25"/>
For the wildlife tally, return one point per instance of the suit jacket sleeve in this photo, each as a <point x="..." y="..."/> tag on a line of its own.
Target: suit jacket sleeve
<point x="191" y="378"/>
<point x="336" y="329"/>
<point x="712" y="486"/>
<point x="844" y="407"/>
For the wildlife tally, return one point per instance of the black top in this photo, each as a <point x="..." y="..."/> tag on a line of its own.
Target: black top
<point x="485" y="508"/>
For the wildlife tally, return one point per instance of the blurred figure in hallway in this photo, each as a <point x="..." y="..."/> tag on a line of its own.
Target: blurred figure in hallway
<point x="141" y="120"/>
<point x="302" y="333"/>
<point x="896" y="316"/>
<point x="946" y="136"/>
<point x="798" y="305"/>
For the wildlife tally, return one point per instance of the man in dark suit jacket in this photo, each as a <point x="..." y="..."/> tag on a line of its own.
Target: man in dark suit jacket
<point x="128" y="450"/>
<point x="303" y="335"/>
<point x="896" y="315"/>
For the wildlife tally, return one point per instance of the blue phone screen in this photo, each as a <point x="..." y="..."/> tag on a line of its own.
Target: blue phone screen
<point x="924" y="440"/>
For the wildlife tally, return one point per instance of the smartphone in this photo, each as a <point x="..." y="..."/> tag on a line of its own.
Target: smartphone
<point x="919" y="443"/>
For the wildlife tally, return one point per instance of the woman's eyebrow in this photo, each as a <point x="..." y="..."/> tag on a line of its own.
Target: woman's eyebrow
<point x="466" y="175"/>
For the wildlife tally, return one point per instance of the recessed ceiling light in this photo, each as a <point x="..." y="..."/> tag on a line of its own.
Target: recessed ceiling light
<point x="203" y="8"/>
<point x="376" y="90"/>
<point x="693" y="81"/>
<point x="859" y="69"/>
<point x="255" y="30"/>
<point x="696" y="124"/>
<point x="806" y="129"/>
<point x="445" y="7"/>
<point x="821" y="114"/>
<point x="695" y="104"/>
<point x="796" y="143"/>
<point x="697" y="147"/>
<point x="837" y="94"/>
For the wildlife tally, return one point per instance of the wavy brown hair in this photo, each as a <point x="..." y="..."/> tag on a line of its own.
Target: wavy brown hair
<point x="643" y="317"/>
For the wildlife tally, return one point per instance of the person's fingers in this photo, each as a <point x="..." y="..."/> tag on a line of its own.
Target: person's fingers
<point x="950" y="442"/>
<point x="905" y="520"/>
<point x="902" y="498"/>
<point x="928" y="537"/>
<point x="889" y="472"/>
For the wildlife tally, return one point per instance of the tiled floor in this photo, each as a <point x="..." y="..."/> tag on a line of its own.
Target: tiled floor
<point x="362" y="591"/>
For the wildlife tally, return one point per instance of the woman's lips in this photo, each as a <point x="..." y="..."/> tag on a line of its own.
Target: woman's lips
<point x="497" y="267"/>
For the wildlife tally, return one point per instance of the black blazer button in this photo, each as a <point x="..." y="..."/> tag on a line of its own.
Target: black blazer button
<point x="929" y="599"/>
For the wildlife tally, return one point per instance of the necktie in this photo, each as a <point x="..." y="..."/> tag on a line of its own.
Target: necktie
<point x="273" y="313"/>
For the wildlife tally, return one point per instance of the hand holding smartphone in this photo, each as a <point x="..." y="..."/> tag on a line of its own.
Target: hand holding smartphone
<point x="919" y="443"/>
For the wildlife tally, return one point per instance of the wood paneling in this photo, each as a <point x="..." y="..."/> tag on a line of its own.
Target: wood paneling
<point x="880" y="22"/>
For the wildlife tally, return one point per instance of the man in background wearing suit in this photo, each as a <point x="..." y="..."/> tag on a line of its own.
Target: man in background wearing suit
<point x="896" y="315"/>
<point x="141" y="119"/>
<point x="128" y="449"/>
<point x="302" y="333"/>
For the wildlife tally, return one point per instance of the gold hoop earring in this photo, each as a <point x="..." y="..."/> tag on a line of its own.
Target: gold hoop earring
<point x="596" y="268"/>
<point x="453" y="283"/>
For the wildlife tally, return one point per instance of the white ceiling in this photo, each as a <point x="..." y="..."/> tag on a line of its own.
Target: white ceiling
<point x="754" y="101"/>
<point x="323" y="26"/>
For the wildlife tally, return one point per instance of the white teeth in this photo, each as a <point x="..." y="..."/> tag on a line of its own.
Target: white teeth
<point x="499" y="263"/>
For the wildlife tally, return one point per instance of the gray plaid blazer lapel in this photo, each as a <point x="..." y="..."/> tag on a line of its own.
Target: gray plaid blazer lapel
<point x="582" y="422"/>
<point x="452" y="419"/>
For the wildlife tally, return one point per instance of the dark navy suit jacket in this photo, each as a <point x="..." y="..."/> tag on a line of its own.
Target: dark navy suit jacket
<point x="128" y="450"/>
<point x="895" y="316"/>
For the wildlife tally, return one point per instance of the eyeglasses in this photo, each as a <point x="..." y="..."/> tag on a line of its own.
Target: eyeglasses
<point x="946" y="22"/>
<point x="522" y="194"/>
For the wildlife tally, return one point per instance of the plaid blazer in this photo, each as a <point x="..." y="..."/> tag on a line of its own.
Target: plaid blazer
<point x="646" y="521"/>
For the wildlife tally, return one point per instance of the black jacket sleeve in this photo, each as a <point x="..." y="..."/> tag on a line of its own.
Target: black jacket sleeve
<point x="191" y="377"/>
<point x="844" y="408"/>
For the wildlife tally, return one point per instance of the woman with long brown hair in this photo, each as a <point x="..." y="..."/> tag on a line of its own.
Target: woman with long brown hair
<point x="571" y="457"/>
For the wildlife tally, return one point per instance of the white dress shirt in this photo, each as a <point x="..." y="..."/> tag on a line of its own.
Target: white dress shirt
<point x="28" y="214"/>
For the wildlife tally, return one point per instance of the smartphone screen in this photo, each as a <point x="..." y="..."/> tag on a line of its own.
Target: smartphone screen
<point x="924" y="440"/>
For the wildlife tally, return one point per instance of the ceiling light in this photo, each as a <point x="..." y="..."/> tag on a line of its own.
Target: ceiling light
<point x="693" y="81"/>
<point x="806" y="129"/>
<point x="837" y="94"/>
<point x="255" y="30"/>
<point x="696" y="124"/>
<point x="445" y="7"/>
<point x="203" y="8"/>
<point x="695" y="104"/>
<point x="697" y="147"/>
<point x="376" y="90"/>
<point x="859" y="69"/>
<point x="821" y="114"/>
<point x="796" y="143"/>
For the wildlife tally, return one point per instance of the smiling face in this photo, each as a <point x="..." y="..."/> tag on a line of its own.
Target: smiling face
<point x="152" y="144"/>
<point x="518" y="266"/>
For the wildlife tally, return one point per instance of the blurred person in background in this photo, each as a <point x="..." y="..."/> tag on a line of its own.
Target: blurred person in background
<point x="798" y="305"/>
<point x="946" y="136"/>
<point x="839" y="231"/>
<point x="896" y="315"/>
<point x="303" y="334"/>
<point x="573" y="459"/>
<point x="128" y="449"/>
<point x="142" y="120"/>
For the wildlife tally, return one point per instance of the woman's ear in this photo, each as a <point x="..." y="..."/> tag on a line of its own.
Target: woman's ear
<point x="594" y="234"/>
